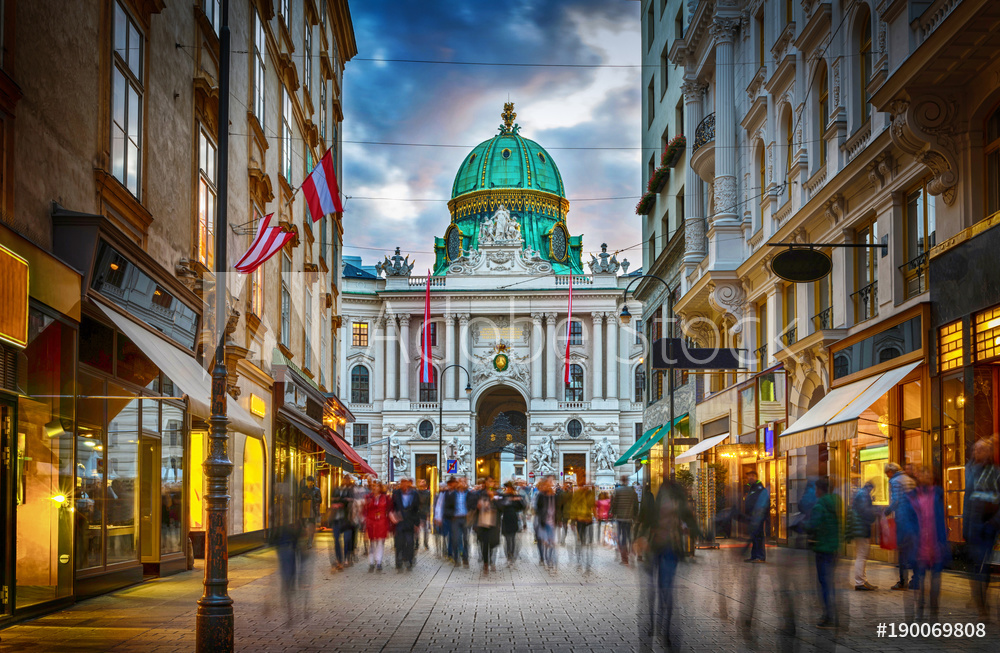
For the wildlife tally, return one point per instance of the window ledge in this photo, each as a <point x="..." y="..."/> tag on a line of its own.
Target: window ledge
<point x="286" y="351"/>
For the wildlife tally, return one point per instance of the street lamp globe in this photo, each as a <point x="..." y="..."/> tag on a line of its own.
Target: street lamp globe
<point x="468" y="389"/>
<point x="625" y="316"/>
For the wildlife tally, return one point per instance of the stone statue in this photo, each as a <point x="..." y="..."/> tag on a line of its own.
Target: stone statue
<point x="397" y="266"/>
<point x="399" y="464"/>
<point x="500" y="229"/>
<point x="460" y="452"/>
<point x="542" y="456"/>
<point x="605" y="455"/>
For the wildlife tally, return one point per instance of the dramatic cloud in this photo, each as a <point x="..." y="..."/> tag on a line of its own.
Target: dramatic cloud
<point x="566" y="107"/>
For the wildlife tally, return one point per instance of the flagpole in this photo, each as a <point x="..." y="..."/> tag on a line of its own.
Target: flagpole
<point x="214" y="619"/>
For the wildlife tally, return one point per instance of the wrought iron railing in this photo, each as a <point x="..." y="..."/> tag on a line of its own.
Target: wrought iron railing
<point x="790" y="336"/>
<point x="761" y="354"/>
<point x="866" y="302"/>
<point x="915" y="272"/>
<point x="824" y="319"/>
<point x="704" y="132"/>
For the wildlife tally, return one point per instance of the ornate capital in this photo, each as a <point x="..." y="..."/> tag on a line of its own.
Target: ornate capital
<point x="550" y="319"/>
<point x="724" y="29"/>
<point x="729" y="299"/>
<point x="925" y="128"/>
<point x="835" y="208"/>
<point x="693" y="90"/>
<point x="404" y="320"/>
<point x="880" y="170"/>
<point x="537" y="318"/>
<point x="449" y="319"/>
<point x="463" y="320"/>
<point x="597" y="317"/>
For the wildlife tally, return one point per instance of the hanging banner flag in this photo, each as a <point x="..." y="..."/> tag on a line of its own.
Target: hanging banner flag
<point x="569" y="327"/>
<point x="268" y="241"/>
<point x="426" y="374"/>
<point x="321" y="189"/>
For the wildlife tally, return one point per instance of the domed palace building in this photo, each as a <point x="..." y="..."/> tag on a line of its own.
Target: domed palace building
<point x="498" y="404"/>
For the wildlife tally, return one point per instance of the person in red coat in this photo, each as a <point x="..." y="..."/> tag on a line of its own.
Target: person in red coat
<point x="377" y="508"/>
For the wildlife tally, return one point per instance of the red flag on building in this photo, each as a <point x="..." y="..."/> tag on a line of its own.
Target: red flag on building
<point x="321" y="189"/>
<point x="569" y="328"/>
<point x="426" y="373"/>
<point x="268" y="241"/>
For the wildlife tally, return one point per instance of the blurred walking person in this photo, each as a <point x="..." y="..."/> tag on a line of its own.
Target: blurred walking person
<point x="309" y="502"/>
<point x="424" y="503"/>
<point x="405" y="517"/>
<point x="864" y="516"/>
<point x="377" y="508"/>
<point x="456" y="511"/>
<point x="512" y="506"/>
<point x="899" y="508"/>
<point x="660" y="539"/>
<point x="981" y="514"/>
<point x="339" y="518"/>
<point x="581" y="511"/>
<point x="824" y="527"/>
<point x="756" y="508"/>
<point x="564" y="497"/>
<point x="624" y="508"/>
<point x="931" y="550"/>
<point x="441" y="527"/>
<point x="545" y="523"/>
<point x="487" y="523"/>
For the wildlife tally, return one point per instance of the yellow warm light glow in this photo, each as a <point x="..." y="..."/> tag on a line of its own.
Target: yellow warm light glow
<point x="992" y="324"/>
<point x="257" y="405"/>
<point x="197" y="480"/>
<point x="59" y="498"/>
<point x="253" y="486"/>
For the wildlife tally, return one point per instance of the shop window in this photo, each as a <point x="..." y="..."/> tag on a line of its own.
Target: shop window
<point x="950" y="347"/>
<point x="171" y="476"/>
<point x="90" y="467"/>
<point x="43" y="474"/>
<point x="986" y="331"/>
<point x="127" y="81"/>
<point x="870" y="450"/>
<point x="888" y="344"/>
<point x="748" y="409"/>
<point x="122" y="494"/>
<point x="96" y="345"/>
<point x="953" y="452"/>
<point x="428" y="390"/>
<point x="133" y="366"/>
<point x="253" y="485"/>
<point x="359" y="385"/>
<point x="574" y="389"/>
<point x="912" y="424"/>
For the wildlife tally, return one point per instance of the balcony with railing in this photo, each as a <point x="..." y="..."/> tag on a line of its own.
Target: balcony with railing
<point x="574" y="405"/>
<point x="824" y="319"/>
<point x="760" y="354"/>
<point x="915" y="273"/>
<point x="866" y="302"/>
<point x="423" y="405"/>
<point x="703" y="148"/>
<point x="790" y="336"/>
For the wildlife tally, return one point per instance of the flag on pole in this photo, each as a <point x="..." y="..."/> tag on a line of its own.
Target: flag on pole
<point x="321" y="189"/>
<point x="569" y="327"/>
<point x="268" y="241"/>
<point x="426" y="373"/>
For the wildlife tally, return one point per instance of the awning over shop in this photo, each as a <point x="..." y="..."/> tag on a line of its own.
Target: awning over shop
<point x="659" y="435"/>
<point x="691" y="454"/>
<point x="314" y="435"/>
<point x="185" y="372"/>
<point x="836" y="415"/>
<point x="637" y="445"/>
<point x="358" y="463"/>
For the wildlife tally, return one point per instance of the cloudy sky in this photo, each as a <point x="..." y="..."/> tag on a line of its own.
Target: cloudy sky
<point x="461" y="104"/>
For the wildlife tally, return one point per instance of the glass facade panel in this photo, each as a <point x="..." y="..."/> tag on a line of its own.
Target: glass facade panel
<point x="171" y="476"/>
<point x="881" y="347"/>
<point x="911" y="423"/>
<point x="870" y="450"/>
<point x="953" y="452"/>
<point x="90" y="461"/>
<point x="43" y="481"/>
<point x="122" y="476"/>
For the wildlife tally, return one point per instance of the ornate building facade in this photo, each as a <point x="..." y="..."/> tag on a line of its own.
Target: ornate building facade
<point x="498" y="332"/>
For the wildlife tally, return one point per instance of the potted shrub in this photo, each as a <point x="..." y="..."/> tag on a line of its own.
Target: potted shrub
<point x="672" y="152"/>
<point x="658" y="180"/>
<point x="645" y="204"/>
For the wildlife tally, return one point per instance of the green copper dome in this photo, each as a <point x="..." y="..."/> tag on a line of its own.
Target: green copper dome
<point x="508" y="161"/>
<point x="517" y="173"/>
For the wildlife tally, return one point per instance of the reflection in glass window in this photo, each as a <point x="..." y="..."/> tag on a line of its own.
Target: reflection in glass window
<point x="574" y="389"/>
<point x="90" y="462"/>
<point x="126" y="100"/>
<point x="171" y="476"/>
<point x="122" y="476"/>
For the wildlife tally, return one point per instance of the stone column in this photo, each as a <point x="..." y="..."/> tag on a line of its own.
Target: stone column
<point x="614" y="362"/>
<point x="463" y="345"/>
<point x="694" y="204"/>
<point x="346" y="341"/>
<point x="404" y="357"/>
<point x="537" y="351"/>
<point x="551" y="373"/>
<point x="597" y="367"/>
<point x="391" y="353"/>
<point x="449" y="348"/>
<point x="378" y="354"/>
<point x="724" y="29"/>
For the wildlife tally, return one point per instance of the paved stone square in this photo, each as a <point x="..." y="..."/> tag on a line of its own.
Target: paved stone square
<point x="438" y="607"/>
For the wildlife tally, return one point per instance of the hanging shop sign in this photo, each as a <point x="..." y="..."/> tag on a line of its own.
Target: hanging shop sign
<point x="801" y="265"/>
<point x="13" y="298"/>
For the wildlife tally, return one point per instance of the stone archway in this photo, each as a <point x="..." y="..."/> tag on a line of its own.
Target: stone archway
<point x="501" y="415"/>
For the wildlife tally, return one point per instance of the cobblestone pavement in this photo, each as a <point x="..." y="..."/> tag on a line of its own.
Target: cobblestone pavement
<point x="438" y="607"/>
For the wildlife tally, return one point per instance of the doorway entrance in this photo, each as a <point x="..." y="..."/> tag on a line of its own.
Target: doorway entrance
<point x="574" y="468"/>
<point x="424" y="465"/>
<point x="501" y="444"/>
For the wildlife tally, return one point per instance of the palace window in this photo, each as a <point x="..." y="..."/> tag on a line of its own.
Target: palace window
<point x="432" y="332"/>
<point x="761" y="178"/>
<point x="307" y="319"/>
<point x="307" y="67"/>
<point x="574" y="390"/>
<point x="213" y="11"/>
<point x="824" y="111"/>
<point x="638" y="331"/>
<point x="286" y="11"/>
<point x="359" y="334"/>
<point x="324" y="348"/>
<point x="428" y="391"/>
<point x="286" y="301"/>
<point x="322" y="111"/>
<point x="286" y="134"/>
<point x="576" y="333"/>
<point x="865" y="64"/>
<point x="257" y="278"/>
<point x="790" y="335"/>
<point x="360" y="434"/>
<point x="127" y="84"/>
<point x="640" y="383"/>
<point x="866" y="275"/>
<point x="359" y="385"/>
<point x="919" y="236"/>
<point x="206" y="199"/>
<point x="259" y="69"/>
<point x="789" y="136"/>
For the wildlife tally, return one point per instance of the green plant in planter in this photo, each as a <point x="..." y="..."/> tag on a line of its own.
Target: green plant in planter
<point x="672" y="152"/>
<point x="645" y="204"/>
<point x="686" y="479"/>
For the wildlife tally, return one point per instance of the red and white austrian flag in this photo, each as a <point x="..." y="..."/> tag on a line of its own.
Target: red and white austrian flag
<point x="321" y="189"/>
<point x="268" y="241"/>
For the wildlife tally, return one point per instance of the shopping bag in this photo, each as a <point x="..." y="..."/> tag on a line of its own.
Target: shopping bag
<point x="887" y="533"/>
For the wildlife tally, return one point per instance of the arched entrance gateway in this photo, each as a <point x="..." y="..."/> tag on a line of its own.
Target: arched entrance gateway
<point x="502" y="439"/>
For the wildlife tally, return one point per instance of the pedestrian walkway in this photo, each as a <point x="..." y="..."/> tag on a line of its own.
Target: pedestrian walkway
<point x="438" y="607"/>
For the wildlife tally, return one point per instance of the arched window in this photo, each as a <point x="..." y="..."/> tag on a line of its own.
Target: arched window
<point x="823" y="110"/>
<point x="864" y="62"/>
<point x="359" y="385"/>
<point x="788" y="153"/>
<point x="888" y="354"/>
<point x="574" y="390"/>
<point x="993" y="163"/>
<point x="428" y="391"/>
<point x="640" y="382"/>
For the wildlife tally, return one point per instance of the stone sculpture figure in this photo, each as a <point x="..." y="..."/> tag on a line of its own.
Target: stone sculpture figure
<point x="605" y="455"/>
<point x="460" y="452"/>
<point x="398" y="456"/>
<point x="542" y="455"/>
